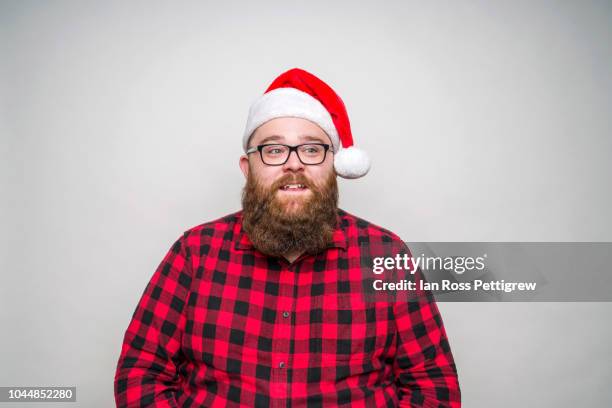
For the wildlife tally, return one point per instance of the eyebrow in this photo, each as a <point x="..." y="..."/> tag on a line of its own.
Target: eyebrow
<point x="276" y="138"/>
<point x="270" y="139"/>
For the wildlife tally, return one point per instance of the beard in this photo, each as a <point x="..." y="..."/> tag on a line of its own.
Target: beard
<point x="286" y="225"/>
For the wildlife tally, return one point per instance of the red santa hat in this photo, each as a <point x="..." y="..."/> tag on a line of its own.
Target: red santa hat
<point x="300" y="94"/>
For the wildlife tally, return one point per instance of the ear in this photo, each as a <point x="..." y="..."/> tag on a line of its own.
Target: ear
<point x="244" y="165"/>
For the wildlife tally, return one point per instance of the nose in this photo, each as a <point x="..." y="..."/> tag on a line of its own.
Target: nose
<point x="293" y="163"/>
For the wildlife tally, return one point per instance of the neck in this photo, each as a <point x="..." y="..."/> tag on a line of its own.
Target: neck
<point x="292" y="256"/>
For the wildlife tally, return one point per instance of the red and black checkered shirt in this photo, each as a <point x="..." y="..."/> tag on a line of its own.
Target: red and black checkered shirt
<point x="221" y="324"/>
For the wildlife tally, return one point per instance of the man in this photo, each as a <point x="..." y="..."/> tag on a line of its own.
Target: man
<point x="265" y="307"/>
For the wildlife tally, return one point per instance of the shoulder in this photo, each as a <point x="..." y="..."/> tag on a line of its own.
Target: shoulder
<point x="220" y="227"/>
<point x="363" y="229"/>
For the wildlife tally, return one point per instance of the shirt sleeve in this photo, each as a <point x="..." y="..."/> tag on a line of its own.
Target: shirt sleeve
<point x="424" y="367"/>
<point x="148" y="370"/>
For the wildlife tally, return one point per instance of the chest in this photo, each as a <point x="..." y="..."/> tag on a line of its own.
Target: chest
<point x="248" y="309"/>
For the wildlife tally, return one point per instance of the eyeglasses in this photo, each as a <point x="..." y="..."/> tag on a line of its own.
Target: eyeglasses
<point x="278" y="154"/>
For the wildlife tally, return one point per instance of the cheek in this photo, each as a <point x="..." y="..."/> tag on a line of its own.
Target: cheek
<point x="319" y="174"/>
<point x="266" y="175"/>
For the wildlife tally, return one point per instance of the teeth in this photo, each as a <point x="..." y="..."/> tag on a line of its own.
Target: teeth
<point x="293" y="186"/>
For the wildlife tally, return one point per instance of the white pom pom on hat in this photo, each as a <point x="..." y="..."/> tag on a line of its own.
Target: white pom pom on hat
<point x="298" y="93"/>
<point x="351" y="163"/>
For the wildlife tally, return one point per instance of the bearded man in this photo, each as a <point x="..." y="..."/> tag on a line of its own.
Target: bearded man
<point x="265" y="307"/>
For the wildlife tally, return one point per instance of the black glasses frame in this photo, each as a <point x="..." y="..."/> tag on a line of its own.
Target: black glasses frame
<point x="259" y="148"/>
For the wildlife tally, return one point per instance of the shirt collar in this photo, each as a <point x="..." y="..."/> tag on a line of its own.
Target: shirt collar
<point x="339" y="238"/>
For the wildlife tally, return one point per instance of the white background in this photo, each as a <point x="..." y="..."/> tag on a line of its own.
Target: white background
<point x="121" y="127"/>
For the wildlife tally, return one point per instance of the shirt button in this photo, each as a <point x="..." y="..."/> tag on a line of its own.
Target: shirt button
<point x="285" y="314"/>
<point x="281" y="364"/>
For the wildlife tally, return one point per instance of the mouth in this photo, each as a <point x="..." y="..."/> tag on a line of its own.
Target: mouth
<point x="293" y="188"/>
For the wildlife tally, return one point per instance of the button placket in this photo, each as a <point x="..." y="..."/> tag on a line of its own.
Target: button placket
<point x="283" y="330"/>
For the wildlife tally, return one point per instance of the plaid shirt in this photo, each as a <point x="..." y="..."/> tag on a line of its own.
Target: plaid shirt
<point x="221" y="324"/>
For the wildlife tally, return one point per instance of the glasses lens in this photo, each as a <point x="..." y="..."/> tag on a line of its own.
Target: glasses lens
<point x="274" y="154"/>
<point x="311" y="153"/>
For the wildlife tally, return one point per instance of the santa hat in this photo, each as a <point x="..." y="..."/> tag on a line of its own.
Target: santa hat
<point x="300" y="94"/>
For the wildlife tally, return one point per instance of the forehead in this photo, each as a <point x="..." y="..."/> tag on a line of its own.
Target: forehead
<point x="289" y="131"/>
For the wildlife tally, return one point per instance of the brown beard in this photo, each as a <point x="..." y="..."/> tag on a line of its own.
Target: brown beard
<point x="277" y="231"/>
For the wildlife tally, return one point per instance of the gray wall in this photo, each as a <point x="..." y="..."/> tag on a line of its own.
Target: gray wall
<point x="121" y="124"/>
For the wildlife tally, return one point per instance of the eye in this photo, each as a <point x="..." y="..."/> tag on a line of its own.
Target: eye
<point x="311" y="149"/>
<point x="274" y="150"/>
